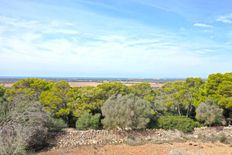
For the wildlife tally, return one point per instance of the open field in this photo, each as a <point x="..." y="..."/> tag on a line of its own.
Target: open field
<point x="92" y="84"/>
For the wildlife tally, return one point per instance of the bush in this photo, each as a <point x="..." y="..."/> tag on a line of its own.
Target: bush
<point x="88" y="121"/>
<point x="57" y="124"/>
<point x="12" y="140"/>
<point x="24" y="126"/>
<point x="177" y="122"/>
<point x="126" y="112"/>
<point x="209" y="114"/>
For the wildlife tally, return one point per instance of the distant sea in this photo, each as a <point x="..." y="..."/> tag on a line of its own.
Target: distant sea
<point x="5" y="79"/>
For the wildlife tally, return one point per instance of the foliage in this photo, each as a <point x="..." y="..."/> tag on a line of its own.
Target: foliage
<point x="111" y="88"/>
<point x="55" y="100"/>
<point x="126" y="112"/>
<point x="209" y="114"/>
<point x="177" y="122"/>
<point x="88" y="121"/>
<point x="24" y="123"/>
<point x="219" y="88"/>
<point x="180" y="97"/>
<point x="2" y="91"/>
<point x="56" y="124"/>
<point x="24" y="126"/>
<point x="91" y="99"/>
<point x="175" y="98"/>
<point x="32" y="87"/>
<point x="12" y="140"/>
<point x="143" y="90"/>
<point x="85" y="99"/>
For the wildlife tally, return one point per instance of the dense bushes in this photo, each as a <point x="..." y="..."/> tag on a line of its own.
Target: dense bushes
<point x="124" y="112"/>
<point x="210" y="114"/>
<point x="56" y="124"/>
<point x="24" y="126"/>
<point x="176" y="98"/>
<point x="88" y="121"/>
<point x="177" y="122"/>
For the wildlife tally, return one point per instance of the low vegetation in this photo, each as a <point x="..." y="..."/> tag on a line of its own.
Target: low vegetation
<point x="126" y="112"/>
<point x="23" y="126"/>
<point x="32" y="107"/>
<point x="210" y="114"/>
<point x="88" y="121"/>
<point x="177" y="122"/>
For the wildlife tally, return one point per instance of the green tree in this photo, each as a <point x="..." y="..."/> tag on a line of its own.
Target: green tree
<point x="55" y="101"/>
<point x="219" y="88"/>
<point x="143" y="90"/>
<point x="31" y="87"/>
<point x="90" y="99"/>
<point x="2" y="91"/>
<point x="108" y="89"/>
<point x="86" y="99"/>
<point x="180" y="97"/>
<point x="173" y="96"/>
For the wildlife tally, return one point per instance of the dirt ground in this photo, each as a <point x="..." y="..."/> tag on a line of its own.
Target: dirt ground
<point x="187" y="148"/>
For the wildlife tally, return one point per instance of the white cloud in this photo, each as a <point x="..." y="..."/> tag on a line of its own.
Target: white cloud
<point x="202" y="25"/>
<point x="57" y="48"/>
<point x="225" y="19"/>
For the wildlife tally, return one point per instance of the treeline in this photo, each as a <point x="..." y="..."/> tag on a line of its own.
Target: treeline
<point x="179" y="105"/>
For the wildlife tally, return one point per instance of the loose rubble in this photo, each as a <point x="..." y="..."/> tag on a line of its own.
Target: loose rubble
<point x="72" y="138"/>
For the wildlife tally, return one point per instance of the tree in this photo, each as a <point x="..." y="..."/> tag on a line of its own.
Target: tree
<point x="126" y="112"/>
<point x="55" y="101"/>
<point x="107" y="89"/>
<point x="143" y="90"/>
<point x="194" y="94"/>
<point x="209" y="113"/>
<point x="174" y="96"/>
<point x="32" y="87"/>
<point x="91" y="99"/>
<point x="86" y="99"/>
<point x="219" y="88"/>
<point x="2" y="91"/>
<point x="180" y="97"/>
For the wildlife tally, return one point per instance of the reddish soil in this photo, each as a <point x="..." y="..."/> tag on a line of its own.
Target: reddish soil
<point x="188" y="148"/>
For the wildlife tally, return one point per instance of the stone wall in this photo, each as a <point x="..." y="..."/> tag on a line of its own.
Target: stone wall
<point x="73" y="138"/>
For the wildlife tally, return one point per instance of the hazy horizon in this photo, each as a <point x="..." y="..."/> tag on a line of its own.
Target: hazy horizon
<point x="115" y="39"/>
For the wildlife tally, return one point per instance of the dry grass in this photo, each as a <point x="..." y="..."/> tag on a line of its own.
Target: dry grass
<point x="92" y="84"/>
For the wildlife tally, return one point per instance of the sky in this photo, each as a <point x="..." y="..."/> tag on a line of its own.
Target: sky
<point x="115" y="38"/>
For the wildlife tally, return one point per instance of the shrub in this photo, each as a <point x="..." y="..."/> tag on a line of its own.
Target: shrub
<point x="24" y="126"/>
<point x="12" y="140"/>
<point x="88" y="121"/>
<point x="177" y="122"/>
<point x="57" y="124"/>
<point x="209" y="114"/>
<point x="126" y="112"/>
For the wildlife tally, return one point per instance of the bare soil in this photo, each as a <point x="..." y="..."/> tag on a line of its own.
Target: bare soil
<point x="203" y="141"/>
<point x="187" y="148"/>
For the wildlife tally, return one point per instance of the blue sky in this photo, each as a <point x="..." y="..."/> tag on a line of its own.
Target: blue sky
<point x="115" y="38"/>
